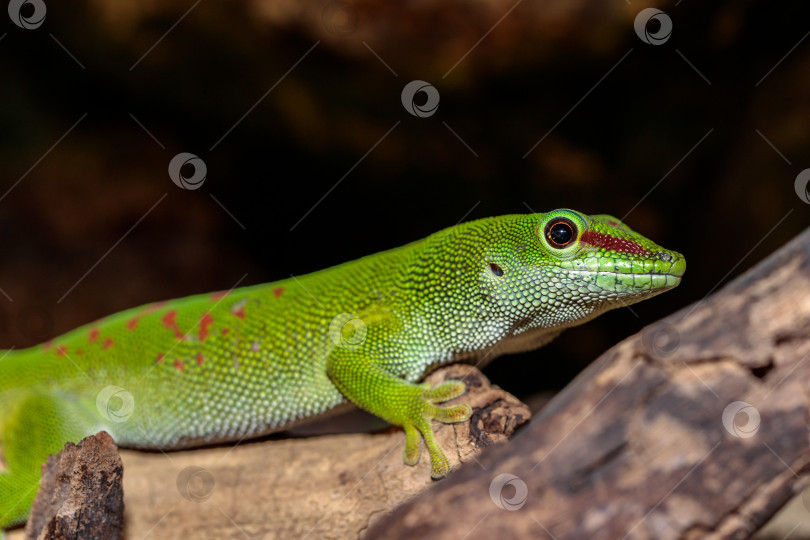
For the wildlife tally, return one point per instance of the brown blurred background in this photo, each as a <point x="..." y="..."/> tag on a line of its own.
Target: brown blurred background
<point x="696" y="142"/>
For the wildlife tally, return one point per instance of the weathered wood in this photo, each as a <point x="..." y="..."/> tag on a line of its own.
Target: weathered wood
<point x="645" y="443"/>
<point x="81" y="493"/>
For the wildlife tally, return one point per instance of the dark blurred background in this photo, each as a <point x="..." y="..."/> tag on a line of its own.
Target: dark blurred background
<point x="312" y="159"/>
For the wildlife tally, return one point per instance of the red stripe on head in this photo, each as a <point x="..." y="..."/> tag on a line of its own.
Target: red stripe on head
<point x="606" y="241"/>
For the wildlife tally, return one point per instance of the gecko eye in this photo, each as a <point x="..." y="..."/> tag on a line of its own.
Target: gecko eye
<point x="561" y="232"/>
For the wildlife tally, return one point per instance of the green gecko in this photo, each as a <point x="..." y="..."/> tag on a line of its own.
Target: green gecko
<point x="255" y="360"/>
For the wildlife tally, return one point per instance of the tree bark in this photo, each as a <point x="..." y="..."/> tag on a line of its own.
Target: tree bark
<point x="80" y="493"/>
<point x="695" y="428"/>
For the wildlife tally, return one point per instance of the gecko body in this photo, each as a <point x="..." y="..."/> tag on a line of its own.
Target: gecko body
<point x="250" y="361"/>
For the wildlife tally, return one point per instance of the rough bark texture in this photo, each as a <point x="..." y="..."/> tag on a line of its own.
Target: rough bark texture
<point x="321" y="487"/>
<point x="650" y="441"/>
<point x="81" y="494"/>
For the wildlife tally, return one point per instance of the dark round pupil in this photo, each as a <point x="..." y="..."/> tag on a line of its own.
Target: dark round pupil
<point x="560" y="233"/>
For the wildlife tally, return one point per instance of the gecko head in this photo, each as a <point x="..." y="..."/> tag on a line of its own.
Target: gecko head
<point x="562" y="268"/>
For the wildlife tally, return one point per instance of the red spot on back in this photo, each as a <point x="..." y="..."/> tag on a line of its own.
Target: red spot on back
<point x="225" y="331"/>
<point x="108" y="342"/>
<point x="92" y="336"/>
<point x="132" y="324"/>
<point x="61" y="350"/>
<point x="160" y="357"/>
<point x="219" y="295"/>
<point x="170" y="321"/>
<point x="278" y="292"/>
<point x="179" y="365"/>
<point x="79" y="352"/>
<point x="205" y="322"/>
<point x="606" y="241"/>
<point x="200" y="359"/>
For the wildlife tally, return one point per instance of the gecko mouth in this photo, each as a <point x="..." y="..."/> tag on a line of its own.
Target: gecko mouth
<point x="672" y="275"/>
<point x="629" y="283"/>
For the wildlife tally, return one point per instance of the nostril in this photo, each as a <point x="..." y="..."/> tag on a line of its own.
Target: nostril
<point x="664" y="256"/>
